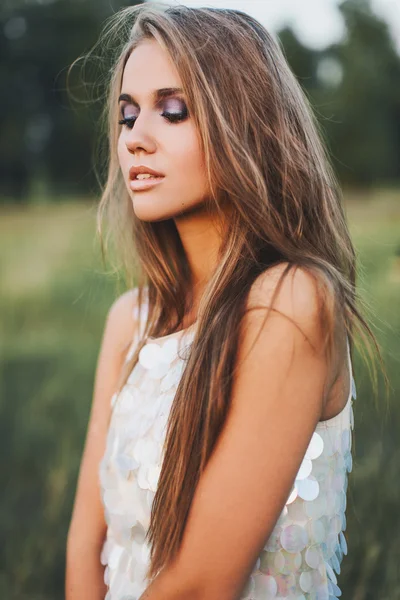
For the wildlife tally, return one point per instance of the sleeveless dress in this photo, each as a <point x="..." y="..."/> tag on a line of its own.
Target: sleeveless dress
<point x="302" y="556"/>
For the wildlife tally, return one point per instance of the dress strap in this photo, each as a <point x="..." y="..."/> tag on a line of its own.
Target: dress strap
<point x="142" y="318"/>
<point x="352" y="382"/>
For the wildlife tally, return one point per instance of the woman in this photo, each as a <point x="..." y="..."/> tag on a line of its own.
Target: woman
<point x="222" y="457"/>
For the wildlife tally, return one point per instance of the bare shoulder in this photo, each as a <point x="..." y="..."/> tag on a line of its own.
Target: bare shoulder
<point x="300" y="289"/>
<point x="120" y="321"/>
<point x="294" y="293"/>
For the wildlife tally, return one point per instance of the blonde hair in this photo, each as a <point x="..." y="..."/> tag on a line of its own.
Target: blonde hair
<point x="264" y="156"/>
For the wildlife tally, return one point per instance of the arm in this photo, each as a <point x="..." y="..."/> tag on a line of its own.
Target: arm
<point x="84" y="572"/>
<point x="278" y="397"/>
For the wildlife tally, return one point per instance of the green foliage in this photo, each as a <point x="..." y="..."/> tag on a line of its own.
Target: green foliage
<point x="52" y="316"/>
<point x="51" y="321"/>
<point x="43" y="131"/>
<point x="354" y="88"/>
<point x="371" y="571"/>
<point x="47" y="135"/>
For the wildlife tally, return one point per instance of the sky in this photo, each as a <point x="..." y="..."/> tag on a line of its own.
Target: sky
<point x="317" y="23"/>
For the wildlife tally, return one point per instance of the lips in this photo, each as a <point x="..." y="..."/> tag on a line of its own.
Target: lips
<point x="135" y="170"/>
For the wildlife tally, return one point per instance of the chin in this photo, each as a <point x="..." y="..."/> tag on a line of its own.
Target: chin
<point x="144" y="214"/>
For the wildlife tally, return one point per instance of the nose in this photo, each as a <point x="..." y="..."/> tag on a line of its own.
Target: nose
<point x="140" y="136"/>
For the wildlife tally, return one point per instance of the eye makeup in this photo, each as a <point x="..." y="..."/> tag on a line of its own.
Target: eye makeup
<point x="174" y="110"/>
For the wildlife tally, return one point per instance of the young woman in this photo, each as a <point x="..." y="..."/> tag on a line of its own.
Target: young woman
<point x="219" y="441"/>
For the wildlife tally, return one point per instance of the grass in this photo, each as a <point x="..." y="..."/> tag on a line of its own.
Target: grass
<point x="54" y="302"/>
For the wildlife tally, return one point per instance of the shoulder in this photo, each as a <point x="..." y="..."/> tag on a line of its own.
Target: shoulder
<point x="295" y="293"/>
<point x="283" y="333"/>
<point x="120" y="320"/>
<point x="123" y="306"/>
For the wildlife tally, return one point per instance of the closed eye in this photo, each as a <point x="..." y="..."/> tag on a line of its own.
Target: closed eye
<point x="128" y="122"/>
<point x="172" y="117"/>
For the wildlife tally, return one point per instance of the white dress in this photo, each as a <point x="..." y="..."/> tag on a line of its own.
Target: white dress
<point x="303" y="554"/>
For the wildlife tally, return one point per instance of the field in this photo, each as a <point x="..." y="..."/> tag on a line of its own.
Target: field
<point x="54" y="299"/>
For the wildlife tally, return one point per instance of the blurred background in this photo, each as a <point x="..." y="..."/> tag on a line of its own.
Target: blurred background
<point x="55" y="291"/>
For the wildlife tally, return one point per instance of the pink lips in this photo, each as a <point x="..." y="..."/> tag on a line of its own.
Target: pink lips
<point x="138" y="185"/>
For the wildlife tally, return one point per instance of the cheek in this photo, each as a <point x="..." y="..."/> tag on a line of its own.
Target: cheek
<point x="189" y="162"/>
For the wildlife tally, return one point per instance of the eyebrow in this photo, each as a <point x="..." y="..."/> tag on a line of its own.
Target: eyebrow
<point x="157" y="94"/>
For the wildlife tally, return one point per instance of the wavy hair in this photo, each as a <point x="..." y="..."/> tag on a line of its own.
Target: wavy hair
<point x="265" y="157"/>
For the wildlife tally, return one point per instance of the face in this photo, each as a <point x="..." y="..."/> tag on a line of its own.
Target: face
<point x="158" y="133"/>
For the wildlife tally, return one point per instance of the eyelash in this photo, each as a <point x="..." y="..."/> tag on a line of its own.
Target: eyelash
<point x="171" y="117"/>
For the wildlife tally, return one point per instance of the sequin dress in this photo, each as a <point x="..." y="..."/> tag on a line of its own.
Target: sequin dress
<point x="302" y="557"/>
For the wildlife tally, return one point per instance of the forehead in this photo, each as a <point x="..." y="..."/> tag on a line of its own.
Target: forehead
<point x="149" y="67"/>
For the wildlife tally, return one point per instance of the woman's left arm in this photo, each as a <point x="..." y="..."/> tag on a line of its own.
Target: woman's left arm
<point x="277" y="399"/>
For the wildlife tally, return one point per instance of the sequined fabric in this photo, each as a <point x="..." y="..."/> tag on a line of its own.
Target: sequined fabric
<point x="302" y="557"/>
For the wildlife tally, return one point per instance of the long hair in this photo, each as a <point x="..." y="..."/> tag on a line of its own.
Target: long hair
<point x="265" y="158"/>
